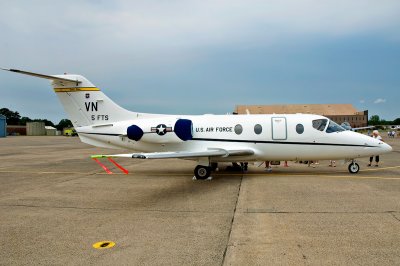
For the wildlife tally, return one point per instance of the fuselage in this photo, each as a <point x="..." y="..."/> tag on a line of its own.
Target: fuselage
<point x="271" y="137"/>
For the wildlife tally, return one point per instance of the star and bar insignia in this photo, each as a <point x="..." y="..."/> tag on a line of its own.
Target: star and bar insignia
<point x="161" y="129"/>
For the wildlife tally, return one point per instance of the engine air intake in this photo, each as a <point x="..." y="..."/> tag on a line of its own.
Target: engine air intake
<point x="134" y="132"/>
<point x="183" y="129"/>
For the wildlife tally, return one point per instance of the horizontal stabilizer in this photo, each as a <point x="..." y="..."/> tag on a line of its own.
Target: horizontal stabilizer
<point x="41" y="75"/>
<point x="181" y="154"/>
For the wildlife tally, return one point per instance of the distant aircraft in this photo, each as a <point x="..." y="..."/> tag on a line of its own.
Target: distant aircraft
<point x="207" y="139"/>
<point x="346" y="125"/>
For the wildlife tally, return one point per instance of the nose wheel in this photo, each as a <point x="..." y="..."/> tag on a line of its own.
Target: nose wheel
<point x="354" y="168"/>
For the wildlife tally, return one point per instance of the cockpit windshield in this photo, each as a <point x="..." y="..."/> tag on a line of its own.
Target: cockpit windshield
<point x="319" y="124"/>
<point x="333" y="127"/>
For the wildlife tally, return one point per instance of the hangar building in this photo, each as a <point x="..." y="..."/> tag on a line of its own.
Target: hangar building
<point x="337" y="112"/>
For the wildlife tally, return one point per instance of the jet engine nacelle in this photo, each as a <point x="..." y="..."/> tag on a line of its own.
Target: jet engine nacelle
<point x="161" y="130"/>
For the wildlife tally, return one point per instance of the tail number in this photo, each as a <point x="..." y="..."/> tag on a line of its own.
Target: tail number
<point x="91" y="106"/>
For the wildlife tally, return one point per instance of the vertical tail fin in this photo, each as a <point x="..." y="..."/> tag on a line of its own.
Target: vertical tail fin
<point x="84" y="103"/>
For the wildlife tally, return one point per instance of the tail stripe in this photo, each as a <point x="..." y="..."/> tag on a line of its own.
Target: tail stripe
<point x="76" y="89"/>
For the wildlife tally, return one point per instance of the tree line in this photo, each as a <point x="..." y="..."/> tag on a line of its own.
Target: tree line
<point x="15" y="119"/>
<point x="375" y="121"/>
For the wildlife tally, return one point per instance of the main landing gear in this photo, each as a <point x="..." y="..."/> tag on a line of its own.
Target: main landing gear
<point x="202" y="172"/>
<point x="353" y="167"/>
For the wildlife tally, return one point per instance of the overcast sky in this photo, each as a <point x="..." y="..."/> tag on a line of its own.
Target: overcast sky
<point x="195" y="57"/>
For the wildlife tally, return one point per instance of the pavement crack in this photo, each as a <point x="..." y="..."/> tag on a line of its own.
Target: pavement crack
<point x="232" y="221"/>
<point x="302" y="253"/>
<point x="394" y="216"/>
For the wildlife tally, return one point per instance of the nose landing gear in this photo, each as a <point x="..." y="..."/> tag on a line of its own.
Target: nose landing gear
<point x="353" y="167"/>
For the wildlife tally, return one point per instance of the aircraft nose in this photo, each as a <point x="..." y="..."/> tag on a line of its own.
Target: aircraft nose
<point x="386" y="147"/>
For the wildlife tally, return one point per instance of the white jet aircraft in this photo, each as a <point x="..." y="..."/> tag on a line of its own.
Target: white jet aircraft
<point x="208" y="139"/>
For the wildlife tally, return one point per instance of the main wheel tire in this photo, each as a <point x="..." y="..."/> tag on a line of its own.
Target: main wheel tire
<point x="354" y="168"/>
<point x="202" y="172"/>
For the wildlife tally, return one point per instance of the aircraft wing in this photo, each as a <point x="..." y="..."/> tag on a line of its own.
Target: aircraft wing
<point x="359" y="128"/>
<point x="180" y="154"/>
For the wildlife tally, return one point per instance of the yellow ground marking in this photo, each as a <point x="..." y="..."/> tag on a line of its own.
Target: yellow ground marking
<point x="363" y="177"/>
<point x="354" y="176"/>
<point x="30" y="172"/>
<point x="380" y="168"/>
<point x="103" y="244"/>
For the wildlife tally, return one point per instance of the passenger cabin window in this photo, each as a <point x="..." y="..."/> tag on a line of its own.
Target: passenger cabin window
<point x="333" y="127"/>
<point x="238" y="129"/>
<point x="319" y="124"/>
<point x="299" y="129"/>
<point x="258" y="129"/>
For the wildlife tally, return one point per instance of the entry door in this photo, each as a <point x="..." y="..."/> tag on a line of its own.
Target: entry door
<point x="279" y="131"/>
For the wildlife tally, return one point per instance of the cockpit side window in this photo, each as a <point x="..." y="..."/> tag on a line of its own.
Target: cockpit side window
<point x="319" y="124"/>
<point x="333" y="127"/>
